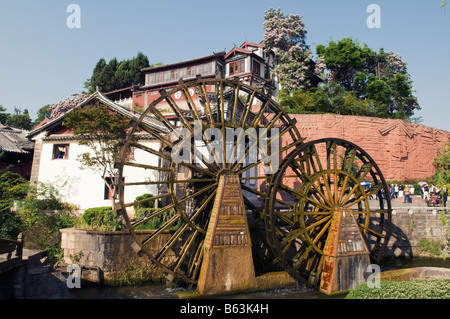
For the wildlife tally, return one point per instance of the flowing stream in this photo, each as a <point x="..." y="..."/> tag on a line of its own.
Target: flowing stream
<point x="163" y="291"/>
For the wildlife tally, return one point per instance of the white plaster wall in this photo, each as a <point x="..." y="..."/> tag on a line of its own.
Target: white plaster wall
<point x="84" y="187"/>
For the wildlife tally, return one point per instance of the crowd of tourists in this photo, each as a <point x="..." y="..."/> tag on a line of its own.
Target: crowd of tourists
<point x="431" y="194"/>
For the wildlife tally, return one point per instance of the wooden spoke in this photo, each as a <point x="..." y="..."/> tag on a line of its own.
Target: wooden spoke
<point x="208" y="110"/>
<point x="146" y="200"/>
<point x="319" y="222"/>
<point x="186" y="181"/>
<point x="300" y="257"/>
<point x="247" y="109"/>
<point x="188" y="244"/>
<point x="153" y="215"/>
<point x="146" y="166"/>
<point x="163" y="228"/>
<point x="155" y="134"/>
<point x="198" y="169"/>
<point x="305" y="197"/>
<point x="372" y="232"/>
<point x="173" y="105"/>
<point x="151" y="150"/>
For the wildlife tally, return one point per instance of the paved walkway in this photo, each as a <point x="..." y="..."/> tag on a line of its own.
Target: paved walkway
<point x="28" y="256"/>
<point x="418" y="205"/>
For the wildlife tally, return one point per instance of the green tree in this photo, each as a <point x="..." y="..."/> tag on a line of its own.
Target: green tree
<point x="101" y="130"/>
<point x="3" y="115"/>
<point x="442" y="164"/>
<point x="116" y="75"/>
<point x="327" y="98"/>
<point x="379" y="78"/>
<point x="298" y="101"/>
<point x="391" y="69"/>
<point x="42" y="214"/>
<point x="107" y="80"/>
<point x="348" y="63"/>
<point x="42" y="113"/>
<point x="93" y="82"/>
<point x="137" y="64"/>
<point x="22" y="121"/>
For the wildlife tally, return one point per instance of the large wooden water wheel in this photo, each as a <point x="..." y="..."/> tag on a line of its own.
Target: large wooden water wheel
<point x="187" y="187"/>
<point x="288" y="220"/>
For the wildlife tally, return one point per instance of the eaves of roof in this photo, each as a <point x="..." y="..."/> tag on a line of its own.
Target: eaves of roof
<point x="14" y="141"/>
<point x="176" y="64"/>
<point x="153" y="123"/>
<point x="252" y="44"/>
<point x="244" y="51"/>
<point x="70" y="137"/>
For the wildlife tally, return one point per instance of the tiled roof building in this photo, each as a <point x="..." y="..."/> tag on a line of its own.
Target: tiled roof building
<point x="16" y="150"/>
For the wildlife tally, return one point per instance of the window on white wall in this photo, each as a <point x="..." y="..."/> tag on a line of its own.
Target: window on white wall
<point x="60" y="151"/>
<point x="107" y="192"/>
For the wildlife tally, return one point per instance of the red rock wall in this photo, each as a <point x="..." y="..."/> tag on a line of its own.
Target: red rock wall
<point x="402" y="150"/>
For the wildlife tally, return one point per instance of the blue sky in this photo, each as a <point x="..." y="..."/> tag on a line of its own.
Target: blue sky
<point x="42" y="61"/>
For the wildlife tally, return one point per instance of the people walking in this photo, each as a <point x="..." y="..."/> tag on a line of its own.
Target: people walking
<point x="406" y="192"/>
<point x="444" y="195"/>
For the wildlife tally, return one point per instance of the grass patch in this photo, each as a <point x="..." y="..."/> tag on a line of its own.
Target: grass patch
<point x="416" y="289"/>
<point x="433" y="247"/>
<point x="134" y="275"/>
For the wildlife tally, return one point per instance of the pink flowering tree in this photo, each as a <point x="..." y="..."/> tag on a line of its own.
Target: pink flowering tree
<point x="285" y="35"/>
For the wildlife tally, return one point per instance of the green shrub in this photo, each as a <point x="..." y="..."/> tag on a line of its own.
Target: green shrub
<point x="102" y="218"/>
<point x="416" y="289"/>
<point x="13" y="187"/>
<point x="156" y="222"/>
<point x="9" y="225"/>
<point x="39" y="215"/>
<point x="40" y="225"/>
<point x="146" y="204"/>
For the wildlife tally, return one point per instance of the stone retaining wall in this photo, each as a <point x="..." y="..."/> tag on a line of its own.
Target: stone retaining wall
<point x="410" y="226"/>
<point x="111" y="252"/>
<point x="106" y="252"/>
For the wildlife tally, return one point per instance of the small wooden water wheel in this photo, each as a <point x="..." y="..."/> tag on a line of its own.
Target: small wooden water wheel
<point x="316" y="180"/>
